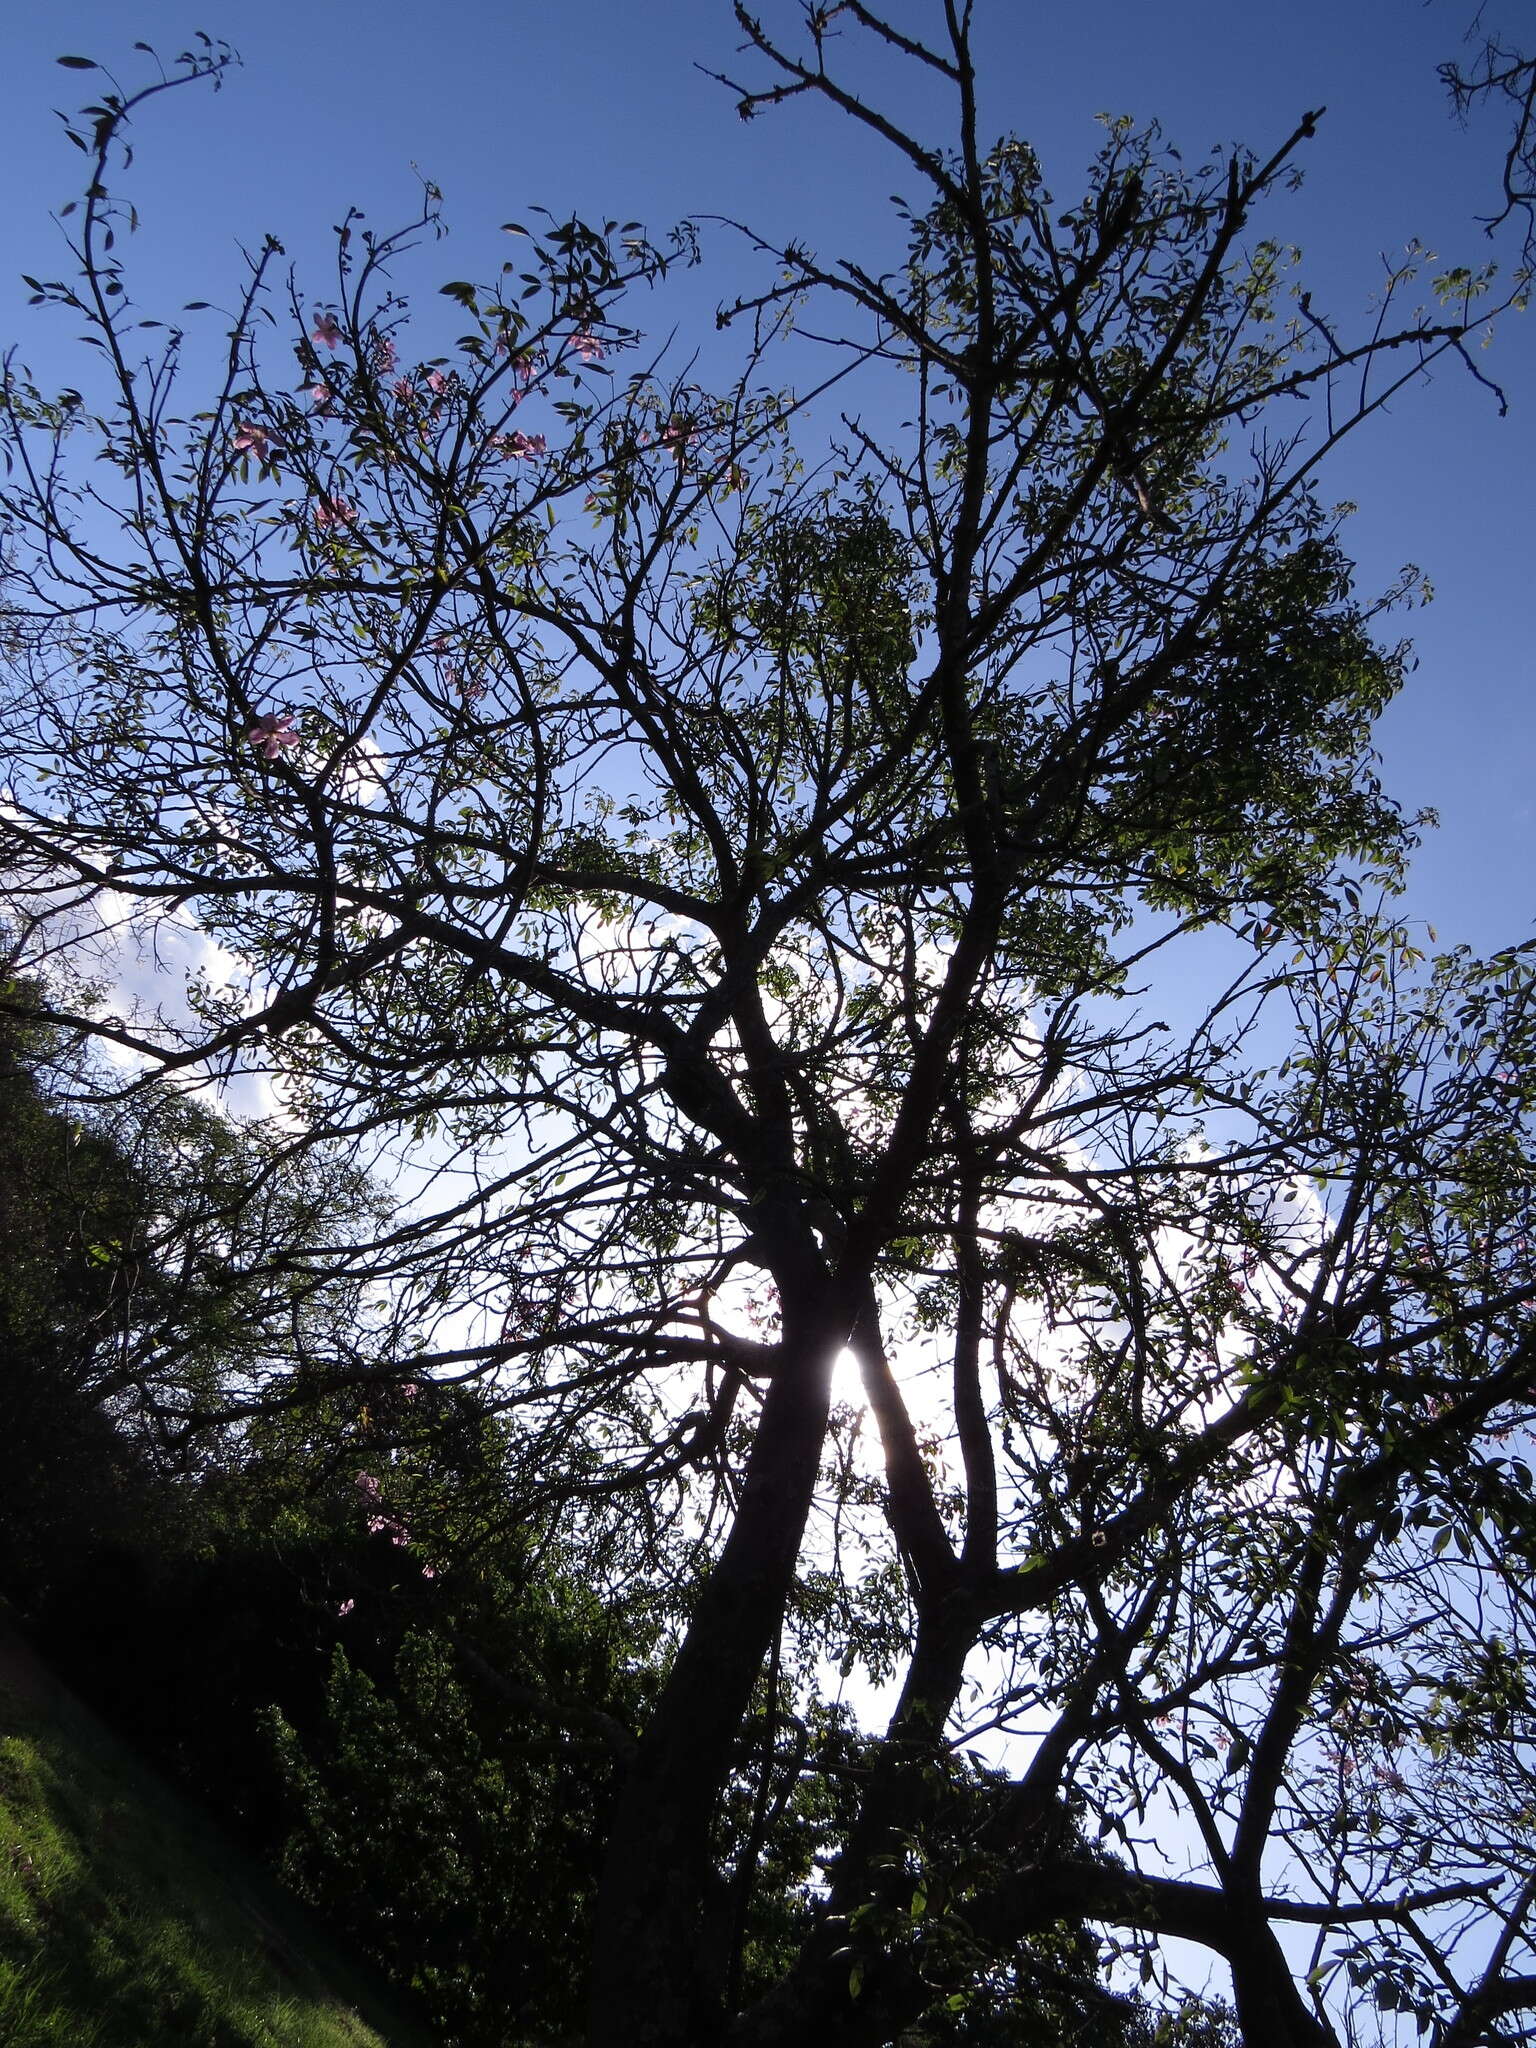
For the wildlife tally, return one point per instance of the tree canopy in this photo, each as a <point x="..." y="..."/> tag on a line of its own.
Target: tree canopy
<point x="720" y="854"/>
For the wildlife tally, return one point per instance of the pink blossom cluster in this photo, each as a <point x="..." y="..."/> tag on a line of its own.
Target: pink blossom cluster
<point x="381" y="1522"/>
<point x="334" y="512"/>
<point x="273" y="734"/>
<point x="251" y="439"/>
<point x="453" y="679"/>
<point x="519" y="444"/>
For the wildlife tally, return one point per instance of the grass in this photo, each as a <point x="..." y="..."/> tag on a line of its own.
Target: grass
<point x="126" y="1922"/>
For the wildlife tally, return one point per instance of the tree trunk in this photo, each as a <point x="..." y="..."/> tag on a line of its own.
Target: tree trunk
<point x="658" y="1971"/>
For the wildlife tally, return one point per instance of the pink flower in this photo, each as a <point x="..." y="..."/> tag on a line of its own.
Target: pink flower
<point x="436" y="381"/>
<point x="251" y="439"/>
<point x="519" y="444"/>
<point x="367" y="1485"/>
<point x="588" y="347"/>
<point x="384" y="353"/>
<point x="523" y="368"/>
<point x="427" y="1572"/>
<point x="320" y="396"/>
<point x="273" y="733"/>
<point x="403" y="388"/>
<point x="346" y="1608"/>
<point x="326" y="331"/>
<point x="377" y="1524"/>
<point x="410" y="1390"/>
<point x="334" y="512"/>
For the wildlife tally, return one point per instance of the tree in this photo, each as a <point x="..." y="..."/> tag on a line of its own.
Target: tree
<point x="163" y="1258"/>
<point x="716" y="888"/>
<point x="69" y="1213"/>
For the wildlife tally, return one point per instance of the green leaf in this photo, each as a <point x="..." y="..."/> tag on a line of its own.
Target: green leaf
<point x="78" y="63"/>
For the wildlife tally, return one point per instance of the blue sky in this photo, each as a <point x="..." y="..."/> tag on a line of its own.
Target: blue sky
<point x="600" y="110"/>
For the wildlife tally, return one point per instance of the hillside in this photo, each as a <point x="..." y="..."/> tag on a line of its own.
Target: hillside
<point x="126" y="1922"/>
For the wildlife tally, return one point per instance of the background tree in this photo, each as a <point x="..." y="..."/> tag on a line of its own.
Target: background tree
<point x="426" y="1750"/>
<point x="167" y="1260"/>
<point x="707" y="882"/>
<point x="70" y="1216"/>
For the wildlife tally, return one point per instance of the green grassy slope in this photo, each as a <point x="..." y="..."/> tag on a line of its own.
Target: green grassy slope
<point x="126" y="1922"/>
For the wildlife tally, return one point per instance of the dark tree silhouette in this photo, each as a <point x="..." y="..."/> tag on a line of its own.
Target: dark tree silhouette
<point x="718" y="889"/>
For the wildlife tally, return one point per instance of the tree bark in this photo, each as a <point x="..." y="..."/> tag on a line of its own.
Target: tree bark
<point x="658" y="1974"/>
